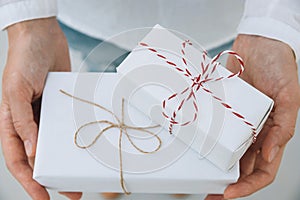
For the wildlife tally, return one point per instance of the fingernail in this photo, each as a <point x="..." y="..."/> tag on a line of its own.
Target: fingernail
<point x="28" y="147"/>
<point x="273" y="153"/>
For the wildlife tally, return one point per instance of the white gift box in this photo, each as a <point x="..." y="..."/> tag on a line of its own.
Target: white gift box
<point x="218" y="133"/>
<point x="61" y="165"/>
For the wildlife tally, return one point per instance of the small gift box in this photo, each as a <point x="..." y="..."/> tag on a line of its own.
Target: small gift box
<point x="202" y="103"/>
<point x="90" y="140"/>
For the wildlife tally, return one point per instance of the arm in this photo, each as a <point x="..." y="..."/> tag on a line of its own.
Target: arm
<point x="35" y="47"/>
<point x="268" y="42"/>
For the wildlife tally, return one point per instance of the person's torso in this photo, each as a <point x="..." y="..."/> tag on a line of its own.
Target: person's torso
<point x="209" y="22"/>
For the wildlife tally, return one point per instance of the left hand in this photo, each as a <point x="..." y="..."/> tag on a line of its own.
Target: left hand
<point x="271" y="68"/>
<point x="35" y="48"/>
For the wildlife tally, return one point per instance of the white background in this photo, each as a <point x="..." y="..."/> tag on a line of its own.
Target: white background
<point x="286" y="186"/>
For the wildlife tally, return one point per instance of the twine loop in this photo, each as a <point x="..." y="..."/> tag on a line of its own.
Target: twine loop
<point x="123" y="128"/>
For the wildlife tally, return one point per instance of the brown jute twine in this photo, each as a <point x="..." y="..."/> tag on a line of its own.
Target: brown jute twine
<point x="120" y="124"/>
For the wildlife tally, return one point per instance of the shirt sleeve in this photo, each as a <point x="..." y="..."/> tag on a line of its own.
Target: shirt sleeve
<point x="13" y="11"/>
<point x="275" y="19"/>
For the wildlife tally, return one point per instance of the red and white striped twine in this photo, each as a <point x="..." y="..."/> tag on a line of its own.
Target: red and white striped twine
<point x="198" y="82"/>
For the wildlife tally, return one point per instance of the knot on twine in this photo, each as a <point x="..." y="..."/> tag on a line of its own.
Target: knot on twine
<point x="123" y="128"/>
<point x="207" y="69"/>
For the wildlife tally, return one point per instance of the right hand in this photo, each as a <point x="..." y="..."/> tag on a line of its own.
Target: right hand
<point x="271" y="68"/>
<point x="35" y="48"/>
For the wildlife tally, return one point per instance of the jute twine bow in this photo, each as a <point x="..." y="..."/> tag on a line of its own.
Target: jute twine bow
<point x="119" y="124"/>
<point x="198" y="82"/>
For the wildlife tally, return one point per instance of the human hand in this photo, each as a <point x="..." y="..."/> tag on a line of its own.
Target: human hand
<point x="271" y="68"/>
<point x="35" y="48"/>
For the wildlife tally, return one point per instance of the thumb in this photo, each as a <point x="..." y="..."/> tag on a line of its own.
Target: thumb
<point x="19" y="101"/>
<point x="214" y="197"/>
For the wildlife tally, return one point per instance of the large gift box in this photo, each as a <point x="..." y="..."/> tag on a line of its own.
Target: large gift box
<point x="61" y="165"/>
<point x="170" y="115"/>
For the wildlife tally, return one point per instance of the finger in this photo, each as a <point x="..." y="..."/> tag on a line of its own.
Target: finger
<point x="110" y="195"/>
<point x="19" y="101"/>
<point x="263" y="175"/>
<point x="284" y="121"/>
<point x="179" y="196"/>
<point x="247" y="162"/>
<point x="72" y="195"/>
<point x="31" y="161"/>
<point x="214" y="197"/>
<point x="16" y="159"/>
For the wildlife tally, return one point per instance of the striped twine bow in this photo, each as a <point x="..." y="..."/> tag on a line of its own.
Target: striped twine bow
<point x="197" y="83"/>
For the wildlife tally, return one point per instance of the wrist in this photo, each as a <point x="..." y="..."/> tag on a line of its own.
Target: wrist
<point x="48" y="26"/>
<point x="253" y="44"/>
